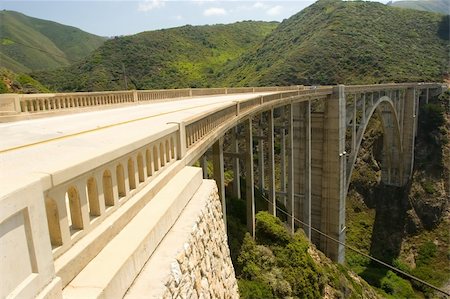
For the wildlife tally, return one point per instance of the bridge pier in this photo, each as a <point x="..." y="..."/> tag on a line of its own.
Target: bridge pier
<point x="290" y="169"/>
<point x="235" y="162"/>
<point x="302" y="163"/>
<point x="219" y="175"/>
<point x="271" y="164"/>
<point x="249" y="176"/>
<point x="328" y="175"/>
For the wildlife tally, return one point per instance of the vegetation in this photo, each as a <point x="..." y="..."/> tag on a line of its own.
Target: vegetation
<point x="348" y="42"/>
<point x="11" y="82"/>
<point x="439" y="6"/>
<point x="188" y="56"/>
<point x="30" y="44"/>
<point x="278" y="264"/>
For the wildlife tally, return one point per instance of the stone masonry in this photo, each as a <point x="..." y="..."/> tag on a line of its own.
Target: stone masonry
<point x="200" y="267"/>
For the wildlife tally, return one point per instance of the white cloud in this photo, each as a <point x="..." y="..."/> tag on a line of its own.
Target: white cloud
<point x="214" y="11"/>
<point x="201" y="2"/>
<point x="178" y="17"/>
<point x="274" y="11"/>
<point x="261" y="5"/>
<point x="148" y="5"/>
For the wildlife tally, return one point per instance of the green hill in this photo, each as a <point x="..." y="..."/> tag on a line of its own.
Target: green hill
<point x="30" y="44"/>
<point x="348" y="42"/>
<point x="439" y="6"/>
<point x="188" y="56"/>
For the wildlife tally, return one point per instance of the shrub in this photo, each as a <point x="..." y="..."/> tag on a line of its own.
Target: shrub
<point x="396" y="286"/>
<point x="270" y="230"/>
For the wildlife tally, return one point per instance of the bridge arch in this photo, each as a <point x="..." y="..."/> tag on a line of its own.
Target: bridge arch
<point x="392" y="141"/>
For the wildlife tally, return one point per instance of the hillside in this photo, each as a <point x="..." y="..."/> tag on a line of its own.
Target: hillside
<point x="11" y="82"/>
<point x="277" y="264"/>
<point x="188" y="56"/>
<point x="348" y="42"/>
<point x="30" y="44"/>
<point x="439" y="6"/>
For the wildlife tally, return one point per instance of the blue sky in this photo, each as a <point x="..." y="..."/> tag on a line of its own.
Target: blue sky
<point x="112" y="18"/>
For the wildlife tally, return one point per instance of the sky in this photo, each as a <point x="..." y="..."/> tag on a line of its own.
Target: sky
<point x="124" y="17"/>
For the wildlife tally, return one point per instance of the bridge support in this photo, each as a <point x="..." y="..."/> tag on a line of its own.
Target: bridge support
<point x="219" y="175"/>
<point x="409" y="130"/>
<point x="283" y="156"/>
<point x="249" y="180"/>
<point x="290" y="169"/>
<point x="328" y="175"/>
<point x="271" y="164"/>
<point x="235" y="162"/>
<point x="302" y="164"/>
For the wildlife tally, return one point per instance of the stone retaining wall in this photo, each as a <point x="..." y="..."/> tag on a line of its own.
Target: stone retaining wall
<point x="193" y="261"/>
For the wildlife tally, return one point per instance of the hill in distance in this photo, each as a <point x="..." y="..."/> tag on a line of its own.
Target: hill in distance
<point x="30" y="44"/>
<point x="348" y="42"/>
<point x="439" y="6"/>
<point x="188" y="56"/>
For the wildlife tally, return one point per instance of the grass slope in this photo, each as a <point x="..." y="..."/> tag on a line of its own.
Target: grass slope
<point x="188" y="56"/>
<point x="348" y="42"/>
<point x="30" y="44"/>
<point x="439" y="6"/>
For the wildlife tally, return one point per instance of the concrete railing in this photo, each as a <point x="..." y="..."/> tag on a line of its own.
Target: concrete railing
<point x="13" y="104"/>
<point x="56" y="215"/>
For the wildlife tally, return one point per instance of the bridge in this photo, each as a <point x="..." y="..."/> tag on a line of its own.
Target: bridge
<point x="93" y="185"/>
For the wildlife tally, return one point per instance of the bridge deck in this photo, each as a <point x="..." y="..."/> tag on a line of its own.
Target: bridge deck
<point x="51" y="145"/>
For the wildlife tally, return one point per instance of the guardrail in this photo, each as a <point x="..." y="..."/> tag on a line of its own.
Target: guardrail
<point x="73" y="207"/>
<point x="11" y="104"/>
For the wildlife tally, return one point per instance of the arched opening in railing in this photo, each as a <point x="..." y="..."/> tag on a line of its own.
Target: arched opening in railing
<point x="148" y="161"/>
<point x="131" y="176"/>
<point x="108" y="188"/>
<point x="120" y="174"/>
<point x="73" y="206"/>
<point x="172" y="147"/>
<point x="92" y="193"/>
<point x="54" y="228"/>
<point x="161" y="154"/>
<point x="168" y="150"/>
<point x="140" y="162"/>
<point x="155" y="158"/>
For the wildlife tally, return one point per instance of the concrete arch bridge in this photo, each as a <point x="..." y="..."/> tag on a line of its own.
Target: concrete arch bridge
<point x="99" y="188"/>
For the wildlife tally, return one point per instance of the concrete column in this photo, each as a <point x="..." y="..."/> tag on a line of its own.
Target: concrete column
<point x="283" y="158"/>
<point x="204" y="165"/>
<point x="261" y="157"/>
<point x="307" y="199"/>
<point x="355" y="102"/>
<point x="271" y="165"/>
<point x="219" y="171"/>
<point x="249" y="181"/>
<point x="409" y="133"/>
<point x="235" y="161"/>
<point x="290" y="173"/>
<point x="333" y="175"/>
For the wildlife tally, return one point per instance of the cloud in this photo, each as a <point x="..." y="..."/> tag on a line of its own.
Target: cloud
<point x="201" y="2"/>
<point x="261" y="5"/>
<point x="214" y="11"/>
<point x="178" y="17"/>
<point x="274" y="11"/>
<point x="148" y="5"/>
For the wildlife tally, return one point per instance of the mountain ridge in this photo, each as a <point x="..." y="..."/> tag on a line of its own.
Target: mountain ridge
<point x="29" y="44"/>
<point x="337" y="42"/>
